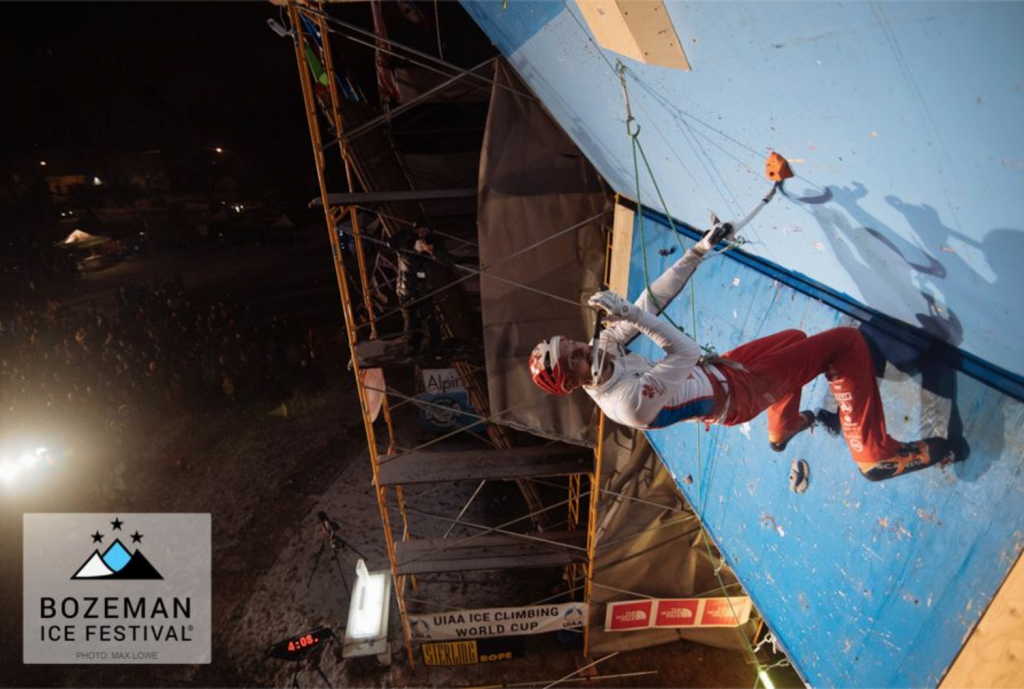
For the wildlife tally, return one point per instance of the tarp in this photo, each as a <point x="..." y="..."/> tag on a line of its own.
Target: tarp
<point x="533" y="184"/>
<point x="649" y="543"/>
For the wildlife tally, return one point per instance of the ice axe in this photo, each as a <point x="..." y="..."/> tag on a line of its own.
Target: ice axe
<point x="777" y="170"/>
<point x="597" y="355"/>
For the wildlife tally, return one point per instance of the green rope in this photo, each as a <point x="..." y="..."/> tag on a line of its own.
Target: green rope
<point x="634" y="135"/>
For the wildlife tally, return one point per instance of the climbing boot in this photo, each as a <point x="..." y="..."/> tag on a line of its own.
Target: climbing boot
<point x="921" y="453"/>
<point x="808" y="421"/>
<point x="914" y="456"/>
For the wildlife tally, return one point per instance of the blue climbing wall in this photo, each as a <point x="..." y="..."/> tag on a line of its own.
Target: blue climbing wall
<point x="903" y="122"/>
<point x="903" y="119"/>
<point x="866" y="584"/>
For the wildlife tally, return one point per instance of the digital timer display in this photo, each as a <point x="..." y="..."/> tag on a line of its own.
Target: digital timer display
<point x="299" y="646"/>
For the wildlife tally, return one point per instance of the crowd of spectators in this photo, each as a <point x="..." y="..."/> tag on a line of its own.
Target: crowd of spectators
<point x="159" y="353"/>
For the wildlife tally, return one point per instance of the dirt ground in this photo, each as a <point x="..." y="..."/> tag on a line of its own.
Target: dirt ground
<point x="264" y="478"/>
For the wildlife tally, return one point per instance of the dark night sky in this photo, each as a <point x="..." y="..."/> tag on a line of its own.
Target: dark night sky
<point x="182" y="77"/>
<point x="138" y="76"/>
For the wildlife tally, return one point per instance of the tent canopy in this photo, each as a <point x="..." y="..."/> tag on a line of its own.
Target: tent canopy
<point x="81" y="240"/>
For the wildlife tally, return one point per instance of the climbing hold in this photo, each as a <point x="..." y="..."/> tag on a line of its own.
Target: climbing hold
<point x="776" y="168"/>
<point x="799" y="476"/>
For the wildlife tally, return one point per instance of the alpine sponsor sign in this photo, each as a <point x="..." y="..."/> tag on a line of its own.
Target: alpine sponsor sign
<point x="441" y="381"/>
<point x="488" y="622"/>
<point x="678" y="612"/>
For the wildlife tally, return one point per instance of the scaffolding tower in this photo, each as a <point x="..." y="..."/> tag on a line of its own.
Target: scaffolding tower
<point x="489" y="548"/>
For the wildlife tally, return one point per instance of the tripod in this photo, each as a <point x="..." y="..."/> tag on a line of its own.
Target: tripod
<point x="329" y="532"/>
<point x="312" y="662"/>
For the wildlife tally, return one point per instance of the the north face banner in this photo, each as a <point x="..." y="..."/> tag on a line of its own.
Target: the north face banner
<point x="631" y="615"/>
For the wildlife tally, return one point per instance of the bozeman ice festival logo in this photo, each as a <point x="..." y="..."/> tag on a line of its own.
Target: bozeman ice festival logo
<point x="117" y="562"/>
<point x="92" y="596"/>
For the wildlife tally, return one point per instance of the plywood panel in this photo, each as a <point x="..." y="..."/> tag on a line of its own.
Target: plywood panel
<point x="994" y="655"/>
<point x="622" y="247"/>
<point x="640" y="29"/>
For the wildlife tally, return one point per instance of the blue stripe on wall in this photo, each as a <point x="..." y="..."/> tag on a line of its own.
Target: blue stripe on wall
<point x="988" y="373"/>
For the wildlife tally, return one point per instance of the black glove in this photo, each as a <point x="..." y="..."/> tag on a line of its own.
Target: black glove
<point x="721" y="232"/>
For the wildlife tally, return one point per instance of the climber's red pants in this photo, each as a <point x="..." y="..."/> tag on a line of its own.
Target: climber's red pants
<point x="779" y="365"/>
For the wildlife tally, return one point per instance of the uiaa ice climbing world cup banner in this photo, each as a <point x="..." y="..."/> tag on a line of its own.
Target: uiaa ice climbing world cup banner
<point x="488" y="622"/>
<point x="627" y="616"/>
<point x="117" y="588"/>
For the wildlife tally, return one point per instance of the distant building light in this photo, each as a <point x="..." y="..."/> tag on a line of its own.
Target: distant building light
<point x="96" y="181"/>
<point x="218" y="150"/>
<point x="43" y="163"/>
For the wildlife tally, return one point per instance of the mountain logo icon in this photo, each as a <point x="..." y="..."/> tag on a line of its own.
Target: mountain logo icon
<point x="117" y="562"/>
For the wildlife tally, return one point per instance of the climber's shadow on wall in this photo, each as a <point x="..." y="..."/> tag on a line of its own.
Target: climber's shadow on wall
<point x="889" y="269"/>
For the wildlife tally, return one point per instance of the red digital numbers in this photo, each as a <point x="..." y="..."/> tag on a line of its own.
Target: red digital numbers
<point x="301" y="642"/>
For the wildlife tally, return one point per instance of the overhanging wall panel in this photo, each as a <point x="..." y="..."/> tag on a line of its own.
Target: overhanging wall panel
<point x="903" y="117"/>
<point x="866" y="584"/>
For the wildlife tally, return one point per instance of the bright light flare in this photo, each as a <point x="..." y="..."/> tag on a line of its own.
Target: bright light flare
<point x="765" y="679"/>
<point x="27" y="461"/>
<point x="9" y="472"/>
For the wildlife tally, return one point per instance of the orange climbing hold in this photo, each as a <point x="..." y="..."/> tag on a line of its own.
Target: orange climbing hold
<point x="777" y="169"/>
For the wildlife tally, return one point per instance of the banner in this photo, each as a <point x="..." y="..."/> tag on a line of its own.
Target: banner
<point x="487" y="622"/>
<point x="444" y="413"/>
<point x="440" y="381"/>
<point x="629" y="616"/>
<point x="473" y="651"/>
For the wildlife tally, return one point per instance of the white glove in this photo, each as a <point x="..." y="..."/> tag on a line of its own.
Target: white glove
<point x="722" y="231"/>
<point x="615" y="307"/>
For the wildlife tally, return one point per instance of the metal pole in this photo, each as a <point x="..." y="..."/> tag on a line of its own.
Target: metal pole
<point x="346" y="302"/>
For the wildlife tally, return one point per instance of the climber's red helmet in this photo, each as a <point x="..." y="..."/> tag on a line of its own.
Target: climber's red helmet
<point x="546" y="367"/>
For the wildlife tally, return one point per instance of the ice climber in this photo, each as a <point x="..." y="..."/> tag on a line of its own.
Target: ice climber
<point x="766" y="374"/>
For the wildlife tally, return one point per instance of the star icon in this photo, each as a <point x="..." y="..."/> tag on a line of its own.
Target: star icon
<point x="97" y="537"/>
<point x="117" y="523"/>
<point x="136" y="537"/>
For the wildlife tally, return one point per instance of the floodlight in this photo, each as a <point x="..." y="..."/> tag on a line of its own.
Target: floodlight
<point x="366" y="633"/>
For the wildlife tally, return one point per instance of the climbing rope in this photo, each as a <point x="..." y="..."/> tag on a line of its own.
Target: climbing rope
<point x="633" y="132"/>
